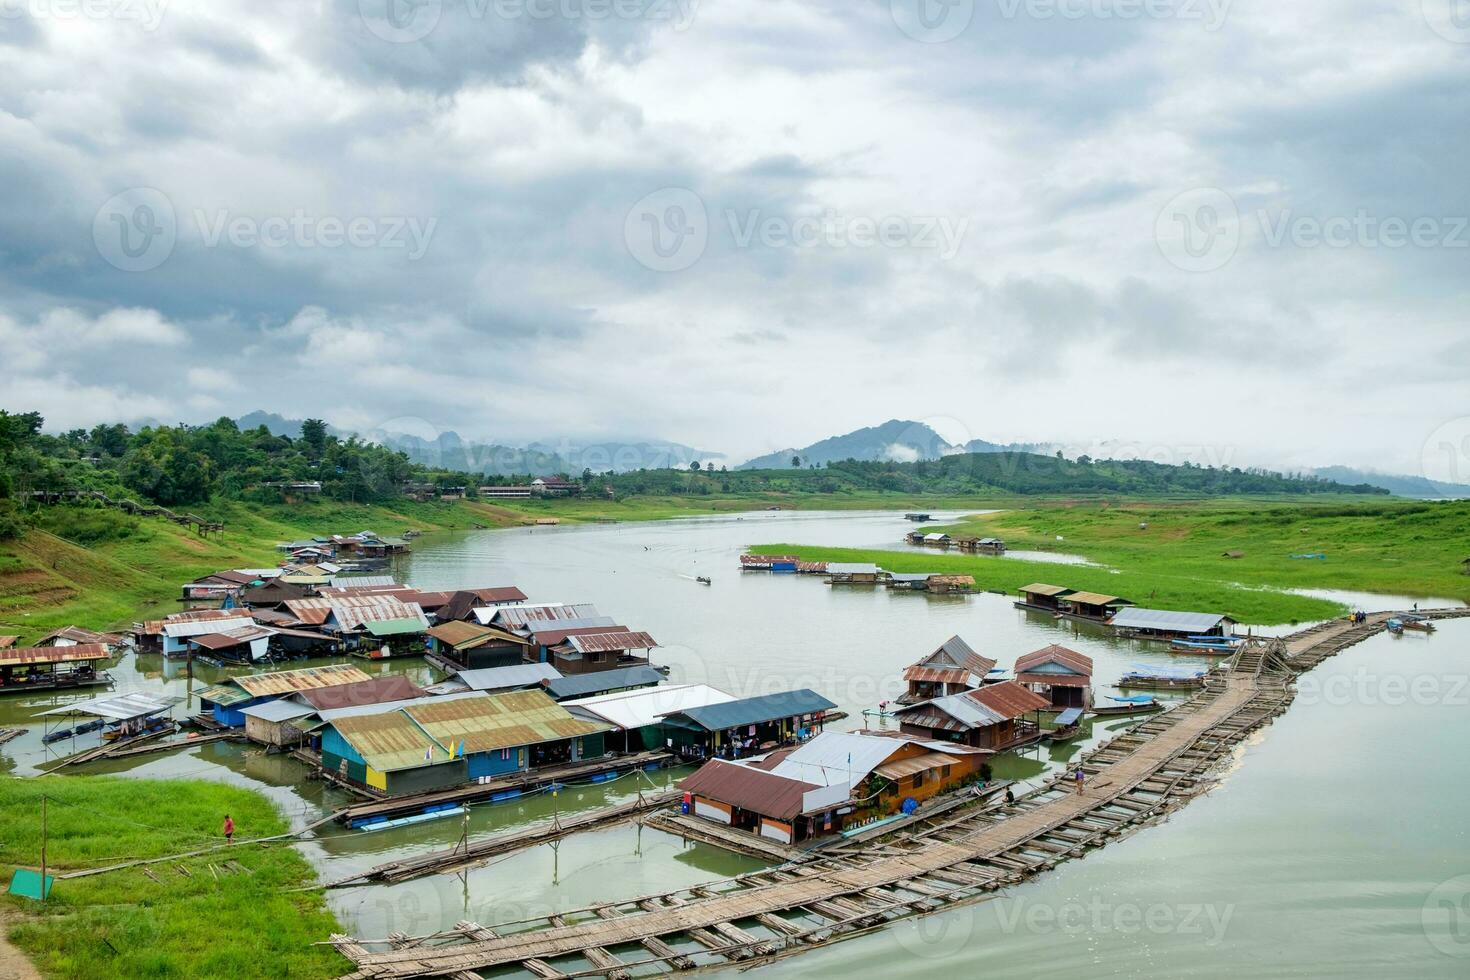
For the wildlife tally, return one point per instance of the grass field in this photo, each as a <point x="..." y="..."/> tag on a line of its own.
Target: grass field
<point x="99" y="568"/>
<point x="1173" y="554"/>
<point x="124" y="924"/>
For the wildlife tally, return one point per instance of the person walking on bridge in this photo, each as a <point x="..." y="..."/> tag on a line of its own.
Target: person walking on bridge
<point x="1081" y="778"/>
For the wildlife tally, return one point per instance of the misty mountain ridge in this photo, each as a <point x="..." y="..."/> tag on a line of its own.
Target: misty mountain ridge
<point x="897" y="440"/>
<point x="450" y="451"/>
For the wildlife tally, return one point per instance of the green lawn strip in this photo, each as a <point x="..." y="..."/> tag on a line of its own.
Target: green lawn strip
<point x="125" y="924"/>
<point x="1150" y="587"/>
<point x="1404" y="547"/>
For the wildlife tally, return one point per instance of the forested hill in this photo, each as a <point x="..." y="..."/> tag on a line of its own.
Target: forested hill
<point x="978" y="473"/>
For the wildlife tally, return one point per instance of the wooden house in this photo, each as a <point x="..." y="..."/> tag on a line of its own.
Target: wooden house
<point x="638" y="716"/>
<point x="992" y="717"/>
<point x="981" y="546"/>
<point x="1042" y="597"/>
<point x="1092" y="607"/>
<point x="69" y="636"/>
<point x="590" y="651"/>
<point x="457" y="645"/>
<point x="831" y="782"/>
<point x="854" y="573"/>
<point x="1062" y="676"/>
<point x="951" y="669"/>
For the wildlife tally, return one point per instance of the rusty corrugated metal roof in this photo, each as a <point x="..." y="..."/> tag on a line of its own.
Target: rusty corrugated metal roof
<point x="1008" y="699"/>
<point x="22" y="656"/>
<point x="748" y="788"/>
<point x="499" y="721"/>
<point x="1058" y="654"/>
<point x="290" y="681"/>
<point x="610" y="642"/>
<point x="390" y="740"/>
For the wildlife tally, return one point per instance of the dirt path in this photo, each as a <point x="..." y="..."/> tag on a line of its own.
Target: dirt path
<point x="13" y="963"/>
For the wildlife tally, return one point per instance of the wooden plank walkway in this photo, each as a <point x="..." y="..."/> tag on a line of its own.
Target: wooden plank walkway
<point x="1134" y="779"/>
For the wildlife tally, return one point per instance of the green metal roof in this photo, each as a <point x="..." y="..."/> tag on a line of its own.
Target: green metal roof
<point x="223" y="695"/>
<point x="394" y="627"/>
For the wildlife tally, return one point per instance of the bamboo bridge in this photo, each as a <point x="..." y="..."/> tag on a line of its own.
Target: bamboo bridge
<point x="952" y="859"/>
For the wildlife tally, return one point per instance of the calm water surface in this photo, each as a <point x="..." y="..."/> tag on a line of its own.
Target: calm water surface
<point x="1316" y="858"/>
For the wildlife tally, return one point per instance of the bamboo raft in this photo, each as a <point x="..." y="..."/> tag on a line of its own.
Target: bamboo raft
<point x="472" y="854"/>
<point x="1132" y="781"/>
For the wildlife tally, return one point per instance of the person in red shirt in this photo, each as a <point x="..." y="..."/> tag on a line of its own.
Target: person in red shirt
<point x="229" y="830"/>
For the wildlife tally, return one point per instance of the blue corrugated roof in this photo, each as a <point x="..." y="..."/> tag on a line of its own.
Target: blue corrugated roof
<point x="585" y="685"/>
<point x="754" y="711"/>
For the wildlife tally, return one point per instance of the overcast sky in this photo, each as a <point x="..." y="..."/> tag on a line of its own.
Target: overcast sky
<point x="1236" y="229"/>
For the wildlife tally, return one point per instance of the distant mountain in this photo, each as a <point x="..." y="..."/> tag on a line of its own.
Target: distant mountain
<point x="450" y="451"/>
<point x="1403" y="486"/>
<point x="896" y="440"/>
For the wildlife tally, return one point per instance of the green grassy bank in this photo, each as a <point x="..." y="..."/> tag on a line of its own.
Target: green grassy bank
<point x="1231" y="556"/>
<point x="209" y="923"/>
<point x="99" y="568"/>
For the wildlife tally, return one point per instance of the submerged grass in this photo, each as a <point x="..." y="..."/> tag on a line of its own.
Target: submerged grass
<point x="124" y="924"/>
<point x="1229" y="556"/>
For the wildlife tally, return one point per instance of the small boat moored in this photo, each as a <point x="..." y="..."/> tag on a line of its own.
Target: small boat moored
<point x="1133" y="704"/>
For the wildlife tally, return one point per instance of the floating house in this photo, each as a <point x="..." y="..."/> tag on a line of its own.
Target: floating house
<point x="458" y="645"/>
<point x="6" y="642"/>
<point x="638" y="715"/>
<point x="439" y="742"/>
<point x="832" y="782"/>
<point x="1062" y="676"/>
<point x="70" y="636"/>
<point x="603" y="682"/>
<point x="853" y="573"/>
<point x="382" y="625"/>
<point x="288" y="722"/>
<point x="937" y="539"/>
<point x="273" y="594"/>
<point x="149" y="636"/>
<point x="243" y="644"/>
<point x="463" y="602"/>
<point x="914" y="537"/>
<point x="1092" y="607"/>
<point x="1163" y="624"/>
<point x="225" y="702"/>
<point x="590" y="652"/>
<point x="952" y="669"/>
<point x="44" y="668"/>
<point x="180" y="630"/>
<point x="230" y="582"/>
<point x="732" y="729"/>
<point x="981" y="546"/>
<point x="121" y="715"/>
<point x="768" y="563"/>
<point x="1041" y="597"/>
<point x="992" y="717"/>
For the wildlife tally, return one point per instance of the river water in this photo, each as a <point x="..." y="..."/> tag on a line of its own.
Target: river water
<point x="1319" y="856"/>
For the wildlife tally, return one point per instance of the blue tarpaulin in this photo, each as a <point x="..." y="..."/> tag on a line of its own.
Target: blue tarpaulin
<point x="1069" y="717"/>
<point x="1133" y="698"/>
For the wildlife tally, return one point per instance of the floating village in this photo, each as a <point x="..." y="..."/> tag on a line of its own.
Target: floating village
<point x="859" y="818"/>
